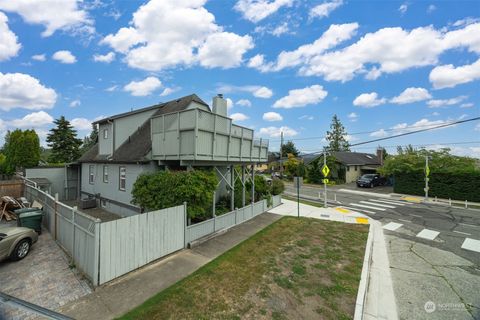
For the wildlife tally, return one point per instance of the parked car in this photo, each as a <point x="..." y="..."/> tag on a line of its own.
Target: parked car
<point x="15" y="242"/>
<point x="371" y="180"/>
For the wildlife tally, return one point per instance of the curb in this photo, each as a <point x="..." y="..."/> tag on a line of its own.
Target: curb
<point x="365" y="277"/>
<point x="358" y="192"/>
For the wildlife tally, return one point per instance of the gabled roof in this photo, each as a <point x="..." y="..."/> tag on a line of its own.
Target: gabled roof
<point x="347" y="158"/>
<point x="139" y="144"/>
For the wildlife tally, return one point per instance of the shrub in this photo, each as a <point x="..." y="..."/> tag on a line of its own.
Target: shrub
<point x="277" y="186"/>
<point x="164" y="189"/>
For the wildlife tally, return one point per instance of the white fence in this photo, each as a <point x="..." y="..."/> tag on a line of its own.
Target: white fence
<point x="104" y="251"/>
<point x="129" y="243"/>
<point x="76" y="232"/>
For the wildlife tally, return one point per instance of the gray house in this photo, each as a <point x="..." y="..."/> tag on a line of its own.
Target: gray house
<point x="177" y="135"/>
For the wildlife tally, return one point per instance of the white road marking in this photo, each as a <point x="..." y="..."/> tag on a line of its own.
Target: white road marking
<point x="368" y="207"/>
<point x="388" y="202"/>
<point x="428" y="234"/>
<point x="357" y="209"/>
<point x="405" y="220"/>
<point x="378" y="204"/>
<point x="416" y="215"/>
<point x="465" y="233"/>
<point x="392" y="226"/>
<point x="471" y="244"/>
<point x="468" y="225"/>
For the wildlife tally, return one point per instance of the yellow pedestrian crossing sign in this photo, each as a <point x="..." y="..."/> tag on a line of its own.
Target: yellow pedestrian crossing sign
<point x="325" y="170"/>
<point x="427" y="171"/>
<point x="325" y="181"/>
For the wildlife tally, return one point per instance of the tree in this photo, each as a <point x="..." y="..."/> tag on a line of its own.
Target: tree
<point x="21" y="150"/>
<point x="294" y="166"/>
<point x="337" y="136"/>
<point x="64" y="142"/>
<point x="289" y="148"/>
<point x="91" y="140"/>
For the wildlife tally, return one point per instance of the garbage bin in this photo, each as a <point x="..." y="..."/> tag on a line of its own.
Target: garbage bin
<point x="31" y="219"/>
<point x="22" y="210"/>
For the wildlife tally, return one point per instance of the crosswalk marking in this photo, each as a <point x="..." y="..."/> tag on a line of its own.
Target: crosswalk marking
<point x="368" y="207"/>
<point x="389" y="202"/>
<point x="465" y="233"/>
<point x="428" y="234"/>
<point x="471" y="244"/>
<point x="378" y="204"/>
<point x="392" y="226"/>
<point x="358" y="209"/>
<point x="405" y="220"/>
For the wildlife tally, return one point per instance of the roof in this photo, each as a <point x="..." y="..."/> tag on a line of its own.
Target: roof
<point x="347" y="158"/>
<point x="139" y="144"/>
<point x="192" y="97"/>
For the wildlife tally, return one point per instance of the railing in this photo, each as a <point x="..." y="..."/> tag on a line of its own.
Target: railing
<point x="201" y="135"/>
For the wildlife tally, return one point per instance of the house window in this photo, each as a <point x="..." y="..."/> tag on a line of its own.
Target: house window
<point x="105" y="174"/>
<point x="105" y="133"/>
<point x="356" y="168"/>
<point x="91" y="174"/>
<point x="103" y="203"/>
<point x="348" y="168"/>
<point x="122" y="178"/>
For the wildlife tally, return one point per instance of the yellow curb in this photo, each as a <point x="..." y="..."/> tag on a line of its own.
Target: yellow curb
<point x="411" y="199"/>
<point x="361" y="220"/>
<point x="342" y="210"/>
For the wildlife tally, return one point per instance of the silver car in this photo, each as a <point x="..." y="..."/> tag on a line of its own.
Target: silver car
<point x="15" y="242"/>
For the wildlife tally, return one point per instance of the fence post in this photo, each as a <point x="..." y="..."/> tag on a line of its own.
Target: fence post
<point x="55" y="215"/>
<point x="436" y="199"/>
<point x="74" y="232"/>
<point x="450" y="202"/>
<point x="235" y="216"/>
<point x="96" y="258"/>
<point x="335" y="197"/>
<point x="263" y="205"/>
<point x="466" y="204"/>
<point x="185" y="224"/>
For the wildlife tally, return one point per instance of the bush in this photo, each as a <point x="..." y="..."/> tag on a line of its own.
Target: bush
<point x="277" y="186"/>
<point x="164" y="189"/>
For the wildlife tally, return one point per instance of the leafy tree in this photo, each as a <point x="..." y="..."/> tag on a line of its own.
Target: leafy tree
<point x="277" y="186"/>
<point x="314" y="170"/>
<point x="294" y="166"/>
<point x="337" y="136"/>
<point x="21" y="150"/>
<point x="89" y="141"/>
<point x="64" y="142"/>
<point x="2" y="163"/>
<point x="289" y="148"/>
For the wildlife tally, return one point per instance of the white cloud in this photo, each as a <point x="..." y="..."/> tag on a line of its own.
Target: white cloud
<point x="301" y="97"/>
<point x="353" y="117"/>
<point x="262" y="92"/>
<point x="257" y="91"/>
<point x="379" y="134"/>
<point x="438" y="103"/>
<point x="244" y="103"/>
<point x="257" y="10"/>
<point x="275" y="132"/>
<point x="272" y="116"/>
<point x="403" y="8"/>
<point x="368" y="100"/>
<point x="52" y="14"/>
<point x="75" y="103"/>
<point x="81" y="124"/>
<point x="33" y="120"/>
<point x="467" y="105"/>
<point x="387" y="50"/>
<point x="168" y="33"/>
<point x="306" y="117"/>
<point x="229" y="103"/>
<point x="477" y="127"/>
<point x="112" y="88"/>
<point x="20" y="90"/>
<point x="411" y="95"/>
<point x="107" y="58"/>
<point x="144" y="87"/>
<point x="280" y="29"/>
<point x="39" y="57"/>
<point x="405" y="127"/>
<point x="431" y="8"/>
<point x="64" y="56"/>
<point x="447" y="76"/>
<point x="168" y="91"/>
<point x="323" y="10"/>
<point x="9" y="45"/>
<point x="239" y="117"/>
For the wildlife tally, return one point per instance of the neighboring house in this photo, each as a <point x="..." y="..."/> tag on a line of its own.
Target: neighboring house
<point x="352" y="164"/>
<point x="177" y="135"/>
<point x="62" y="180"/>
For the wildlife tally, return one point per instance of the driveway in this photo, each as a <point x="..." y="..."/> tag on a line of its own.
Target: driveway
<point x="44" y="278"/>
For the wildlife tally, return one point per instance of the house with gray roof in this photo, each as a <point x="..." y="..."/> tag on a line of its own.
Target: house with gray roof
<point x="180" y="134"/>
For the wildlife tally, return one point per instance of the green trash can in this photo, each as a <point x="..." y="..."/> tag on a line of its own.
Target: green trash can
<point x="31" y="219"/>
<point x="22" y="210"/>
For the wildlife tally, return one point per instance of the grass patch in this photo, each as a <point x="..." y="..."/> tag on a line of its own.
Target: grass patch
<point x="293" y="267"/>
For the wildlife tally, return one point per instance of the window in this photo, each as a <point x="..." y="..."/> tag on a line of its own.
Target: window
<point x="105" y="133"/>
<point x="348" y="168"/>
<point x="91" y="174"/>
<point x="356" y="168"/>
<point x="122" y="178"/>
<point x="105" y="174"/>
<point x="103" y="203"/>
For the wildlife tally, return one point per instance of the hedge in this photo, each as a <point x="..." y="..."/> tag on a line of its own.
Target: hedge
<point x="456" y="186"/>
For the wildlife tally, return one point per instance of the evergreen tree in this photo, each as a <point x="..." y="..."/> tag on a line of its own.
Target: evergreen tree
<point x="91" y="140"/>
<point x="64" y="142"/>
<point x="289" y="148"/>
<point x="21" y="150"/>
<point x="337" y="136"/>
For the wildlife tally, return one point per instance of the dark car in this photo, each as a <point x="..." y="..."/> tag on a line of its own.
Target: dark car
<point x="371" y="180"/>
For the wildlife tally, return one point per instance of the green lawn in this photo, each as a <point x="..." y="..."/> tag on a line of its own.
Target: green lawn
<point x="295" y="268"/>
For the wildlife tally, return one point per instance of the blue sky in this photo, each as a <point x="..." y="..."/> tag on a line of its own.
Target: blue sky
<point x="385" y="67"/>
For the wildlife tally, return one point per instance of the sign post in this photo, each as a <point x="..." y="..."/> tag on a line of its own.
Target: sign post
<point x="325" y="172"/>
<point x="427" y="173"/>
<point x="297" y="182"/>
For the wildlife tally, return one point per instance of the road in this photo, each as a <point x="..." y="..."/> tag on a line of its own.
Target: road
<point x="434" y="251"/>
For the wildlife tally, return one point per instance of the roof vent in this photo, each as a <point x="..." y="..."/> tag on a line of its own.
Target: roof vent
<point x="368" y="156"/>
<point x="219" y="105"/>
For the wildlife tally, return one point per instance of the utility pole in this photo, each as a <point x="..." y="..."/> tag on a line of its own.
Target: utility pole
<point x="281" y="155"/>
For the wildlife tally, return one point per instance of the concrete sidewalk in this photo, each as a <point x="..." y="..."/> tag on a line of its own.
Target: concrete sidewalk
<point x="120" y="296"/>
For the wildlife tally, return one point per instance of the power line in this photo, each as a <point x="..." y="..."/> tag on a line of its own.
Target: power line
<point x="424" y="144"/>
<point x="368" y="132"/>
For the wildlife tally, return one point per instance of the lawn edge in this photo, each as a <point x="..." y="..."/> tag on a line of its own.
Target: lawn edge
<point x="365" y="276"/>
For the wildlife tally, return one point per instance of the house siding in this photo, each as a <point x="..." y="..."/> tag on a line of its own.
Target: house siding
<point x="105" y="146"/>
<point x="126" y="126"/>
